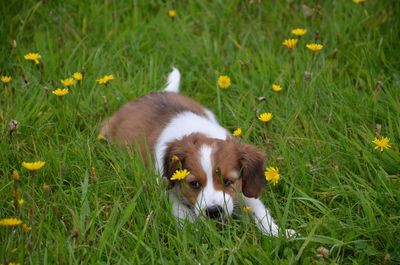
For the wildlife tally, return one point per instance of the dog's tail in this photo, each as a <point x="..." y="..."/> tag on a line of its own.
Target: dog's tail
<point x="174" y="79"/>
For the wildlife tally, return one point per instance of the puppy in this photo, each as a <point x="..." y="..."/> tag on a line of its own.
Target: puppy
<point x="179" y="133"/>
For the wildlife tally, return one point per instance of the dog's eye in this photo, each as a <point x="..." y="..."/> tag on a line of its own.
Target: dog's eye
<point x="227" y="182"/>
<point x="195" y="184"/>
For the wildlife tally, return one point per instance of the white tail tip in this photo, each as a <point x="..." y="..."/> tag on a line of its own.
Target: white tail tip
<point x="174" y="79"/>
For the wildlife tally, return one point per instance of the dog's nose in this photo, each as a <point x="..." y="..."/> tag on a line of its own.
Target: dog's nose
<point x="214" y="212"/>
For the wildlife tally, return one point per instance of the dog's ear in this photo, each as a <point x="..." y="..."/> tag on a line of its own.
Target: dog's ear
<point x="252" y="170"/>
<point x="173" y="159"/>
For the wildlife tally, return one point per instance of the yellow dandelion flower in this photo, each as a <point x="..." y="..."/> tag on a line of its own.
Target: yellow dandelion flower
<point x="33" y="57"/>
<point x="299" y="32"/>
<point x="247" y="209"/>
<point x="6" y="79"/>
<point x="224" y="81"/>
<point x="10" y="222"/>
<point x="180" y="174"/>
<point x="105" y="79"/>
<point x="172" y="13"/>
<point x="33" y="166"/>
<point x="13" y="263"/>
<point x="382" y="143"/>
<point x="290" y="43"/>
<point x="77" y="76"/>
<point x="276" y="87"/>
<point x="26" y="228"/>
<point x="68" y="82"/>
<point x="265" y="117"/>
<point x="359" y="1"/>
<point x="60" y="92"/>
<point x="15" y="175"/>
<point x="272" y="174"/>
<point x="237" y="132"/>
<point x="314" y="47"/>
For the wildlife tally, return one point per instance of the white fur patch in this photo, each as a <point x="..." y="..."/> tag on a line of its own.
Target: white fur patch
<point x="174" y="79"/>
<point x="211" y="116"/>
<point x="183" y="124"/>
<point x="209" y="196"/>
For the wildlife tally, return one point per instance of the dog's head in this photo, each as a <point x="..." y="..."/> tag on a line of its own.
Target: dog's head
<point x="219" y="171"/>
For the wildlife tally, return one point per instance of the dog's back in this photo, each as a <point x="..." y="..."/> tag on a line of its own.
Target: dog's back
<point x="140" y="122"/>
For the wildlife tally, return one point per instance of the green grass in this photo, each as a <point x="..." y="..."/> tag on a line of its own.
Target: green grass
<point x="104" y="207"/>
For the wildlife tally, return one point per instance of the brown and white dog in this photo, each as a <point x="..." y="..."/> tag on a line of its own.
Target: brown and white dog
<point x="180" y="133"/>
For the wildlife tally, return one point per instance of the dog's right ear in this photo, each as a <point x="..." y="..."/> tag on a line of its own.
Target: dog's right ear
<point x="174" y="158"/>
<point x="252" y="166"/>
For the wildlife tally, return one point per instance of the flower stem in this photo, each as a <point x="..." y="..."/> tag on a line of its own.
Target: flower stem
<point x="292" y="63"/>
<point x="219" y="102"/>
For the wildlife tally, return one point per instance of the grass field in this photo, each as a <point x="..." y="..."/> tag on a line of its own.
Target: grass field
<point x="95" y="204"/>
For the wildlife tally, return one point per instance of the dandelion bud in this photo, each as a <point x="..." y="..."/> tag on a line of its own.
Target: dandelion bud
<point x="378" y="85"/>
<point x="322" y="252"/>
<point x="386" y="258"/>
<point x="337" y="35"/>
<point x="247" y="209"/>
<point x="46" y="188"/>
<point x="74" y="233"/>
<point x="26" y="228"/>
<point x="93" y="174"/>
<point x="21" y="202"/>
<point x="378" y="129"/>
<point x="307" y="75"/>
<point x="15" y="175"/>
<point x="101" y="137"/>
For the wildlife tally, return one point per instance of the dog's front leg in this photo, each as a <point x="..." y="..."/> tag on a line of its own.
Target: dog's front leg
<point x="263" y="218"/>
<point x="180" y="210"/>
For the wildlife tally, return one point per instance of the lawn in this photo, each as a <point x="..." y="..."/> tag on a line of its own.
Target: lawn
<point x="93" y="203"/>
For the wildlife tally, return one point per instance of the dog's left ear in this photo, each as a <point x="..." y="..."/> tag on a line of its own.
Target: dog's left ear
<point x="252" y="170"/>
<point x="173" y="157"/>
